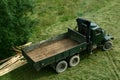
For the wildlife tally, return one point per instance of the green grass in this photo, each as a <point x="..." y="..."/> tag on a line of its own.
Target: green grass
<point x="51" y="15"/>
<point x="54" y="16"/>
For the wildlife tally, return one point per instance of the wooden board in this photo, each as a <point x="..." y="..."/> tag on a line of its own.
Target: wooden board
<point x="12" y="64"/>
<point x="51" y="49"/>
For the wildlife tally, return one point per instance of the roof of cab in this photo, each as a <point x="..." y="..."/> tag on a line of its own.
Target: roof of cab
<point x="94" y="26"/>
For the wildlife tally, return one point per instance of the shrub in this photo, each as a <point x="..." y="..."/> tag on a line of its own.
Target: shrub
<point x="15" y="24"/>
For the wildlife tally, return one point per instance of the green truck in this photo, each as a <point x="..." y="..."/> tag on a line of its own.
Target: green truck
<point x="65" y="49"/>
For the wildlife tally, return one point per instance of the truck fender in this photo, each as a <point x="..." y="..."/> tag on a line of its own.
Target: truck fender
<point x="108" y="38"/>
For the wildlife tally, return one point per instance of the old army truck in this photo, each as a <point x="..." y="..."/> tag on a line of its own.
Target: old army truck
<point x="65" y="49"/>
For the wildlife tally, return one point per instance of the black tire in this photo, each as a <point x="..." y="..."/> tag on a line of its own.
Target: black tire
<point x="107" y="46"/>
<point x="61" y="66"/>
<point x="74" y="60"/>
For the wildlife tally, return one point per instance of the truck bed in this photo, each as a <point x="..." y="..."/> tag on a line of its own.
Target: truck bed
<point x="51" y="49"/>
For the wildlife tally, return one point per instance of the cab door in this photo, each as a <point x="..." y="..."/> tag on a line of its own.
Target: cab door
<point x="97" y="36"/>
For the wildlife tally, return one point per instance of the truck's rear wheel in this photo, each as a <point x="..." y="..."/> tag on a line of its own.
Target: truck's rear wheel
<point x="107" y="45"/>
<point x="61" y="66"/>
<point x="74" y="60"/>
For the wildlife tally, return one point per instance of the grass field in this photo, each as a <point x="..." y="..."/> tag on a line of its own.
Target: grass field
<point x="54" y="16"/>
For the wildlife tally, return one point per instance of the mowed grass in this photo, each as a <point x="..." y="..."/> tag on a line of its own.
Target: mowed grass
<point x="101" y="65"/>
<point x="55" y="16"/>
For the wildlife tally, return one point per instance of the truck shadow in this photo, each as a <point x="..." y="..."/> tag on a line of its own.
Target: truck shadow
<point x="27" y="72"/>
<point x="86" y="54"/>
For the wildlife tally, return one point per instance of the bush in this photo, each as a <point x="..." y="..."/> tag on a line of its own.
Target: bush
<point x="15" y="24"/>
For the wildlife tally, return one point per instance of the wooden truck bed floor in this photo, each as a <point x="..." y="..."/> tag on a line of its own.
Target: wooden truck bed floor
<point x="52" y="48"/>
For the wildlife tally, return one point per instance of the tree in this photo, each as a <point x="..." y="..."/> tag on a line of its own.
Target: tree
<point x="15" y="24"/>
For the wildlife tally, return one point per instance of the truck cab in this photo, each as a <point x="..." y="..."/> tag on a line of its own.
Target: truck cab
<point x="65" y="49"/>
<point x="95" y="35"/>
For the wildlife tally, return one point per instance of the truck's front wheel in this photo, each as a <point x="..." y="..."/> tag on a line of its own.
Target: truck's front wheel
<point x="74" y="60"/>
<point x="107" y="45"/>
<point x="61" y="66"/>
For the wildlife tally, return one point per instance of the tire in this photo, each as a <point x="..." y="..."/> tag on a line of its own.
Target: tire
<point x="61" y="66"/>
<point x="107" y="46"/>
<point x="74" y="60"/>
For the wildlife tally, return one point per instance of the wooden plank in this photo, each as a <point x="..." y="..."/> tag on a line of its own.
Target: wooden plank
<point x="53" y="48"/>
<point x="14" y="61"/>
<point x="4" y="60"/>
<point x="11" y="61"/>
<point x="12" y="67"/>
